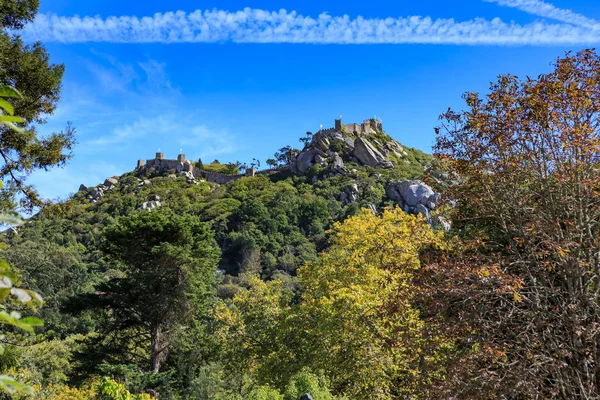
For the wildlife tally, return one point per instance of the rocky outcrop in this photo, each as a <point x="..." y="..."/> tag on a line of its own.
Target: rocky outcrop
<point x="365" y="144"/>
<point x="307" y="159"/>
<point x="337" y="164"/>
<point x="142" y="183"/>
<point x="110" y="182"/>
<point x="350" y="194"/>
<point x="368" y="155"/>
<point x="150" y="205"/>
<point x="415" y="197"/>
<point x="96" y="193"/>
<point x="189" y="177"/>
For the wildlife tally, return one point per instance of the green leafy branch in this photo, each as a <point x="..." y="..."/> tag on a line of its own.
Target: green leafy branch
<point x="8" y="278"/>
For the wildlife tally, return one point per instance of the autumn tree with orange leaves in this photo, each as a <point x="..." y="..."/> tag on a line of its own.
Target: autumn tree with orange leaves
<point x="524" y="298"/>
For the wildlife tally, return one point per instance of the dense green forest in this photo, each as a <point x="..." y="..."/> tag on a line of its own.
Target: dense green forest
<point x="353" y="268"/>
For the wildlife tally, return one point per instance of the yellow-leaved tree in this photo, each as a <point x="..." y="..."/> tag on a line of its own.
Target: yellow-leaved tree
<point x="355" y="318"/>
<point x="361" y="325"/>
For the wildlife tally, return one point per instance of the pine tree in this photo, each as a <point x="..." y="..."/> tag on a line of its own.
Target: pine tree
<point x="27" y="68"/>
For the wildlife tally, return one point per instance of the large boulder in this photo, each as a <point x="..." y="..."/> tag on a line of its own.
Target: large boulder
<point x="350" y="194"/>
<point x="337" y="164"/>
<point x="150" y="205"/>
<point x="320" y="160"/>
<point x="306" y="159"/>
<point x="368" y="155"/>
<point x="322" y="144"/>
<point x="417" y="193"/>
<point x="415" y="197"/>
<point x="349" y="142"/>
<point x="110" y="182"/>
<point x="424" y="211"/>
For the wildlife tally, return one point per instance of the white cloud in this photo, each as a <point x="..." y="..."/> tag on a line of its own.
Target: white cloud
<point x="211" y="142"/>
<point x="156" y="76"/>
<point x="547" y="10"/>
<point x="169" y="129"/>
<point x="121" y="125"/>
<point x="260" y="26"/>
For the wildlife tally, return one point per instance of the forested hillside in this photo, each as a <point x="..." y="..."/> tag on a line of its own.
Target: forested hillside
<point x="258" y="227"/>
<point x="351" y="268"/>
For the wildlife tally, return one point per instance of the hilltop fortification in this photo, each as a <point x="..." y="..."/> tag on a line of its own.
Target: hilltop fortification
<point x="183" y="166"/>
<point x="365" y="143"/>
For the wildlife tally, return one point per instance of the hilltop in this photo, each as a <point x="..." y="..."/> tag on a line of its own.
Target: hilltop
<point x="268" y="221"/>
<point x="352" y="153"/>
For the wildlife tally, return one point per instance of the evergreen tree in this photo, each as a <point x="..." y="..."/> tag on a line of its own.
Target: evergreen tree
<point x="27" y="68"/>
<point x="165" y="267"/>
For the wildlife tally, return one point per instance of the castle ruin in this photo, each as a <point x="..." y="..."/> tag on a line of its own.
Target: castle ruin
<point x="368" y="126"/>
<point x="184" y="166"/>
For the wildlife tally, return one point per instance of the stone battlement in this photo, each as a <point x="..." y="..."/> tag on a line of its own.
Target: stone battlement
<point x="368" y="126"/>
<point x="182" y="164"/>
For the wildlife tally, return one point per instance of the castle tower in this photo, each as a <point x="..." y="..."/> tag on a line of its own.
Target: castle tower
<point x="181" y="158"/>
<point x="338" y="124"/>
<point x="365" y="127"/>
<point x="160" y="156"/>
<point x="141" y="163"/>
<point x="373" y="123"/>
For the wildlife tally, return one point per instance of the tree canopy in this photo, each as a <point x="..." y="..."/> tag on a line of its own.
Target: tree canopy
<point x="527" y="155"/>
<point x="28" y="69"/>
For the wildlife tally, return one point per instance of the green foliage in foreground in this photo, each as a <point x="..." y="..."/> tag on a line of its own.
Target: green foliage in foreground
<point x="98" y="264"/>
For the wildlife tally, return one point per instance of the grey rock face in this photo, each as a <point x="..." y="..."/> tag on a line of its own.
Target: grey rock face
<point x="150" y="205"/>
<point x="83" y="188"/>
<point x="337" y="162"/>
<point x="418" y="193"/>
<point x="424" y="211"/>
<point x="320" y="160"/>
<point x="142" y="183"/>
<point x="350" y="194"/>
<point x="96" y="193"/>
<point x="304" y="161"/>
<point x="349" y="142"/>
<point x="368" y="155"/>
<point x="306" y="396"/>
<point x="109" y="182"/>
<point x="322" y="144"/>
<point x="415" y="197"/>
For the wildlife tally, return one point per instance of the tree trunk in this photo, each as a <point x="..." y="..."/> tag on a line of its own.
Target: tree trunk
<point x="157" y="349"/>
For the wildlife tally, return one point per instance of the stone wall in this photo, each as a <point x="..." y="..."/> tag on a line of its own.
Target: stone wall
<point x="353" y="127"/>
<point x="164" y="165"/>
<point x="215" y="176"/>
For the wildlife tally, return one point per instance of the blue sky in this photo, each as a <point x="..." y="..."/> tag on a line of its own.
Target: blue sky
<point x="233" y="80"/>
